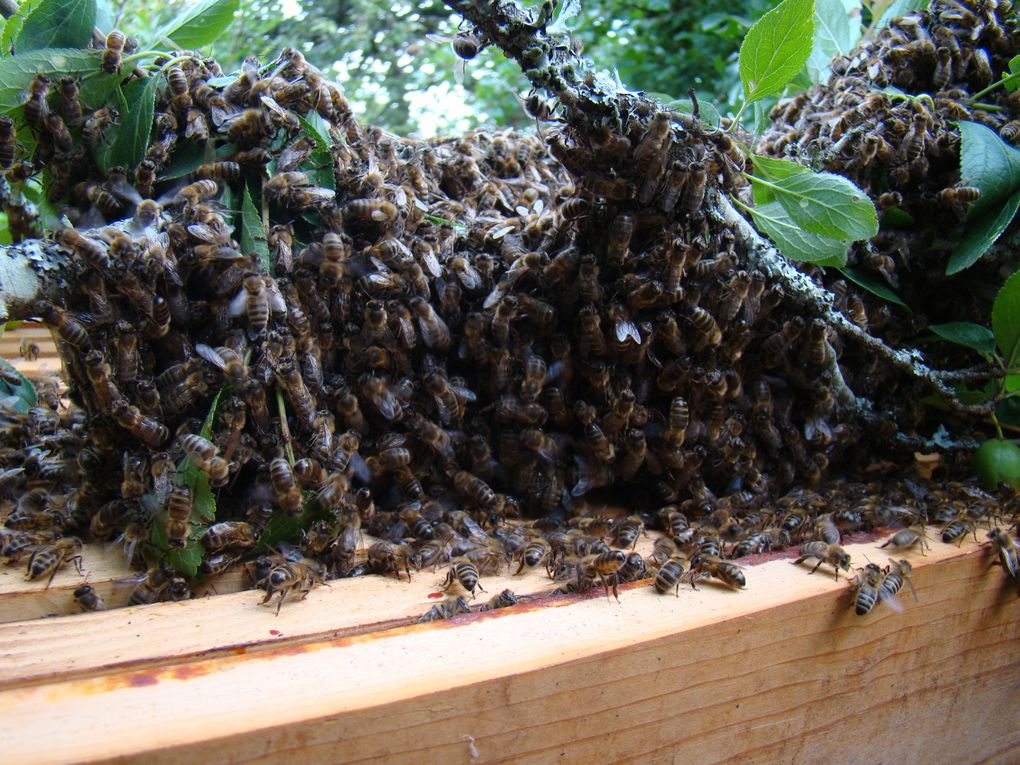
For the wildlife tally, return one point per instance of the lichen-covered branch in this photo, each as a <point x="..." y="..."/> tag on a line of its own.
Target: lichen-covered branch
<point x="761" y="254"/>
<point x="29" y="271"/>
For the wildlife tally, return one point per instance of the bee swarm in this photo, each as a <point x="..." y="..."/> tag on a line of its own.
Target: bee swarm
<point x="447" y="336"/>
<point x="887" y="119"/>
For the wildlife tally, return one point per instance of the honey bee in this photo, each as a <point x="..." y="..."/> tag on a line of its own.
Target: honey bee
<point x="620" y="233"/>
<point x="68" y="328"/>
<point x="247" y="129"/>
<point x="462" y="576"/>
<point x="205" y="455"/>
<point x="711" y="566"/>
<point x="334" y="257"/>
<point x="670" y="575"/>
<point x="434" y="331"/>
<point x="114" y="49"/>
<point x="229" y="362"/>
<point x="957" y="529"/>
<point x="907" y="538"/>
<point x="179" y="508"/>
<point x="232" y="535"/>
<point x="28" y="350"/>
<point x="147" y="430"/>
<point x="1006" y="550"/>
<point x="893" y="577"/>
<point x="474" y="488"/>
<point x="151" y="585"/>
<point x="58" y="132"/>
<point x="96" y="124"/>
<point x="694" y="188"/>
<point x="388" y="557"/>
<point x="706" y="326"/>
<point x="48" y="558"/>
<point x="605" y="566"/>
<point x="88" y="599"/>
<point x="834" y="555"/>
<point x="867" y="582"/>
<point x="288" y="495"/>
<point x="449" y="608"/>
<point x="290" y="576"/>
<point x="135" y="481"/>
<point x="504" y="599"/>
<point x="627" y="532"/>
<point x="36" y="108"/>
<point x="8" y="142"/>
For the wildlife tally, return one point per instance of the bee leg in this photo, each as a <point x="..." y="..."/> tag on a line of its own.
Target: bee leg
<point x="77" y="563"/>
<point x="283" y="597"/>
<point x="819" y="563"/>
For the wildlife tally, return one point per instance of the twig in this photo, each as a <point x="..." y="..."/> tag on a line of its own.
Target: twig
<point x="802" y="290"/>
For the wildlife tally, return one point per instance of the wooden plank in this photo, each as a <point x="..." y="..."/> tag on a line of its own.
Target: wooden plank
<point x="104" y="568"/>
<point x="782" y="672"/>
<point x="34" y="650"/>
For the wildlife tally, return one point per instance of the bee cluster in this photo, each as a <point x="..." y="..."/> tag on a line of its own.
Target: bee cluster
<point x="887" y="118"/>
<point x="424" y="340"/>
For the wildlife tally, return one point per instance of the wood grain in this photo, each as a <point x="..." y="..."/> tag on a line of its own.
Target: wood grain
<point x="36" y="650"/>
<point x="48" y="363"/>
<point x="784" y="672"/>
<point x="103" y="567"/>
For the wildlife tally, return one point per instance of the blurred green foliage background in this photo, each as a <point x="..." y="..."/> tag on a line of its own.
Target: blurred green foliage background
<point x="398" y="78"/>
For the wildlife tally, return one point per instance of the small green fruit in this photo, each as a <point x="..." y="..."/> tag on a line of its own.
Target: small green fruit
<point x="996" y="461"/>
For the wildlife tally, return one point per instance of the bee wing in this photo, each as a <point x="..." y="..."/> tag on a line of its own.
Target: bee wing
<point x="238" y="304"/>
<point x="274" y="106"/>
<point x="625" y="328"/>
<point x="438" y="38"/>
<point x="464" y="394"/>
<point x="430" y="263"/>
<point x="276" y="302"/>
<point x="204" y="232"/>
<point x="209" y="354"/>
<point x="495" y="296"/>
<point x="124" y="190"/>
<point x="891" y="600"/>
<point x="220" y="114"/>
<point x="500" y="232"/>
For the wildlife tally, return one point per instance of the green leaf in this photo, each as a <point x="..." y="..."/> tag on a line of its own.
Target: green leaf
<point x="832" y="36"/>
<point x="128" y="144"/>
<point x="1006" y="321"/>
<point x="198" y="24"/>
<point x="282" y="527"/>
<point x="253" y="233"/>
<point x="185" y="561"/>
<point x="794" y="242"/>
<point x="821" y="203"/>
<point x="57" y="24"/>
<point x="899" y="8"/>
<point x="16" y="72"/>
<point x="185" y="160"/>
<point x="873" y="286"/>
<point x="981" y="234"/>
<point x="988" y="162"/>
<point x="104" y="16"/>
<point x="315" y="126"/>
<point x="776" y="47"/>
<point x="20" y="397"/>
<point x="1014" y="68"/>
<point x="974" y="336"/>
<point x="707" y="112"/>
<point x="12" y="27"/>
<point x="97" y="89"/>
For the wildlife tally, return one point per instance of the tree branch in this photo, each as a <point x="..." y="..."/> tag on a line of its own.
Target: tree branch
<point x="805" y="292"/>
